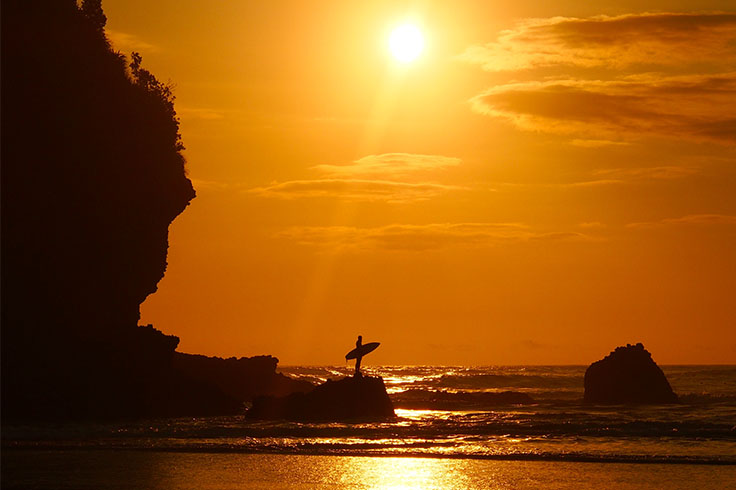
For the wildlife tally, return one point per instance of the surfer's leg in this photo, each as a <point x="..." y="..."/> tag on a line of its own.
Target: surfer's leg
<point x="357" y="365"/>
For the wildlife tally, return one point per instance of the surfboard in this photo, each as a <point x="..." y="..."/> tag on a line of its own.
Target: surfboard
<point x="362" y="350"/>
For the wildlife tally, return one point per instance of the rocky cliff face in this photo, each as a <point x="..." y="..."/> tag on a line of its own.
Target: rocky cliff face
<point x="627" y="375"/>
<point x="92" y="176"/>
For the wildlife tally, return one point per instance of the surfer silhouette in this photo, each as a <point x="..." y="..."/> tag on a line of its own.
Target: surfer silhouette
<point x="358" y="353"/>
<point x="358" y="345"/>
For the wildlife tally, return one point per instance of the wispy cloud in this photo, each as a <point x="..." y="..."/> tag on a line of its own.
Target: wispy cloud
<point x="696" y="107"/>
<point x="422" y="237"/>
<point x="389" y="165"/>
<point x="126" y="43"/>
<point x="588" y="143"/>
<point x="354" y="190"/>
<point x="690" y="220"/>
<point x="647" y="173"/>
<point x="591" y="224"/>
<point x="390" y="177"/>
<point x="533" y="344"/>
<point x="588" y="183"/>
<point x="214" y="185"/>
<point x="612" y="176"/>
<point x="648" y="38"/>
<point x="203" y="113"/>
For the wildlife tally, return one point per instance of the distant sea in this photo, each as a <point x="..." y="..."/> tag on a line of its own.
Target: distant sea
<point x="689" y="445"/>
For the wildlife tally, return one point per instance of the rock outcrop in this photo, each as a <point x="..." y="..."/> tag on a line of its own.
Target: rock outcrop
<point x="628" y="375"/>
<point x="464" y="400"/>
<point x="241" y="378"/>
<point x="92" y="176"/>
<point x="352" y="398"/>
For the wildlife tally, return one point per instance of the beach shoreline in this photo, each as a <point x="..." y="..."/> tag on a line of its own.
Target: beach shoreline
<point x="522" y="457"/>
<point x="103" y="468"/>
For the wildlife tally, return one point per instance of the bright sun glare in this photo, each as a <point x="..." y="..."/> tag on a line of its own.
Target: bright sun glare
<point x="406" y="43"/>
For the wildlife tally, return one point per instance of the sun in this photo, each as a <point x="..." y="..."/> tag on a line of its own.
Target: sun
<point x="406" y="43"/>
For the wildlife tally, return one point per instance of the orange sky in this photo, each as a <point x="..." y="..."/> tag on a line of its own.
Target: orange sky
<point x="547" y="181"/>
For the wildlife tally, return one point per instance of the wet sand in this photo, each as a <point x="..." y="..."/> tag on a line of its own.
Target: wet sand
<point x="124" y="469"/>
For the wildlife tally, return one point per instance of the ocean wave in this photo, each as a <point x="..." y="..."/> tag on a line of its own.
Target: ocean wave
<point x="416" y="450"/>
<point x="419" y="399"/>
<point x="412" y="425"/>
<point x="706" y="398"/>
<point x="457" y="412"/>
<point x="481" y="381"/>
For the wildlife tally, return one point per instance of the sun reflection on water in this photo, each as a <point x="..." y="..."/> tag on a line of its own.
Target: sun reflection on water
<point x="403" y="413"/>
<point x="406" y="473"/>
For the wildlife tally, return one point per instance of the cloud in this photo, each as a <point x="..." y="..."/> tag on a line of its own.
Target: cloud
<point x="588" y="183"/>
<point x="696" y="107"/>
<point x="355" y="190"/>
<point x="202" y="113"/>
<point x="613" y="176"/>
<point x="583" y="143"/>
<point x="391" y="177"/>
<point x="689" y="220"/>
<point x="533" y="344"/>
<point x="616" y="176"/>
<point x="591" y="224"/>
<point x="389" y="165"/>
<point x="126" y="43"/>
<point x="214" y="185"/>
<point x="647" y="173"/>
<point x="421" y="237"/>
<point x="650" y="38"/>
<point x="561" y="185"/>
<point x="692" y="96"/>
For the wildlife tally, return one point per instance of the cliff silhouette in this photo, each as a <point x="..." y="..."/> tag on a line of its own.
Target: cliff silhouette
<point x="92" y="176"/>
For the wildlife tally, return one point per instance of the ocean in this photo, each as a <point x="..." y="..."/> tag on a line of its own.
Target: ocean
<point x="688" y="445"/>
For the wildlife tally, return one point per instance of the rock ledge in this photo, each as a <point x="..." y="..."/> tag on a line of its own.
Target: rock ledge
<point x="362" y="398"/>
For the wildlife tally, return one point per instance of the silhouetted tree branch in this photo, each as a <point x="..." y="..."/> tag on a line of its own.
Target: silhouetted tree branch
<point x="160" y="91"/>
<point x="92" y="10"/>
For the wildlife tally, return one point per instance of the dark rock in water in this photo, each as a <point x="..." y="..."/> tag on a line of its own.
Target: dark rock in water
<point x="361" y="398"/>
<point x="627" y="375"/>
<point x="463" y="400"/>
<point x="241" y="378"/>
